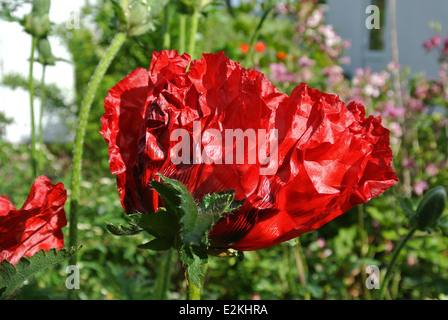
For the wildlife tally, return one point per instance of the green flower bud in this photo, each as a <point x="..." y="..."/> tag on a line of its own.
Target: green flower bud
<point x="430" y="209"/>
<point x="37" y="22"/>
<point x="41" y="8"/>
<point x="45" y="55"/>
<point x="135" y="17"/>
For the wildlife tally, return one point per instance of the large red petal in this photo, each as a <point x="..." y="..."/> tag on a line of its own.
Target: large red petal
<point x="37" y="225"/>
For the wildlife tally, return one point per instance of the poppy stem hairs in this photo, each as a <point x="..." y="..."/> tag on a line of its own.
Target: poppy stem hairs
<point x="95" y="80"/>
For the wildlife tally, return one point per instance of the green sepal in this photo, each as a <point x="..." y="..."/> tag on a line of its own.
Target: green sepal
<point x="120" y="230"/>
<point x="11" y="277"/>
<point x="196" y="224"/>
<point x="163" y="223"/>
<point x="193" y="257"/>
<point x="175" y="195"/>
<point x="158" y="244"/>
<point x="221" y="202"/>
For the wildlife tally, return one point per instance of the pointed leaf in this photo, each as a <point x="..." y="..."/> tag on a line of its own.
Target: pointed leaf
<point x="163" y="223"/>
<point x="175" y="195"/>
<point x="158" y="244"/>
<point x="121" y="230"/>
<point x="196" y="224"/>
<point x="193" y="262"/>
<point x="11" y="277"/>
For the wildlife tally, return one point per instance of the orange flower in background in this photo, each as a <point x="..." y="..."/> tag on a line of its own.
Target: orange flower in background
<point x="244" y="47"/>
<point x="281" y="55"/>
<point x="260" y="46"/>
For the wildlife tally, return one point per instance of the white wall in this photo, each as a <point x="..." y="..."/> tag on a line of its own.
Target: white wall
<point x="15" y="46"/>
<point x="413" y="18"/>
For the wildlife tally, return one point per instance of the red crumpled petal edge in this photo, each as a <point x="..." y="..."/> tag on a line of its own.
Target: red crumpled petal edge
<point x="37" y="225"/>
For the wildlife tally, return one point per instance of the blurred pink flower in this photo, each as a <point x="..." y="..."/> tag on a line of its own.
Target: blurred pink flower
<point x="390" y="111"/>
<point x="389" y="246"/>
<point x="395" y="128"/>
<point x="409" y="163"/>
<point x="431" y="169"/>
<point x="411" y="260"/>
<point x="304" y="61"/>
<point x="420" y="187"/>
<point x="320" y="242"/>
<point x="279" y="73"/>
<point x="434" y="41"/>
<point x="315" y="18"/>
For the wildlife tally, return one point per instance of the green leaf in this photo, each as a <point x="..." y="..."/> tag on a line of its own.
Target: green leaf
<point x="160" y="224"/>
<point x="407" y="206"/>
<point x="193" y="258"/>
<point x="196" y="224"/>
<point x="221" y="202"/>
<point x="442" y="225"/>
<point x="158" y="244"/>
<point x="175" y="195"/>
<point x="12" y="277"/>
<point x="121" y="230"/>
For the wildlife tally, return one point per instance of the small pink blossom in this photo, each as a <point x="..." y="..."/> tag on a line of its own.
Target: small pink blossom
<point x="420" y="187"/>
<point x="320" y="243"/>
<point x="431" y="169"/>
<point x="390" y="111"/>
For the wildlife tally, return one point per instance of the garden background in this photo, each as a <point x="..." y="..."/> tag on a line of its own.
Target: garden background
<point x="290" y="42"/>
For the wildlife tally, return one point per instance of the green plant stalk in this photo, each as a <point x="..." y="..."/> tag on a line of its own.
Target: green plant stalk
<point x="163" y="277"/>
<point x="31" y="90"/>
<point x="392" y="262"/>
<point x="193" y="292"/>
<point x="254" y="36"/>
<point x="302" y="268"/>
<point x="92" y="87"/>
<point x="166" y="28"/>
<point x="182" y="28"/>
<point x="193" y="31"/>
<point x="40" y="158"/>
<point x="364" y="246"/>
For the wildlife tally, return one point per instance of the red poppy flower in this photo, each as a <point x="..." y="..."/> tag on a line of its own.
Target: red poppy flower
<point x="327" y="158"/>
<point x="37" y="225"/>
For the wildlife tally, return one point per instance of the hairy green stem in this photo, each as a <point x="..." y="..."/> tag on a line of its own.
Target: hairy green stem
<point x="254" y="36"/>
<point x="163" y="277"/>
<point x="364" y="247"/>
<point x="182" y="28"/>
<point x="301" y="267"/>
<point x="392" y="262"/>
<point x="166" y="27"/>
<point x="40" y="158"/>
<point x="92" y="87"/>
<point x="193" y="31"/>
<point x="31" y="90"/>
<point x="193" y="292"/>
